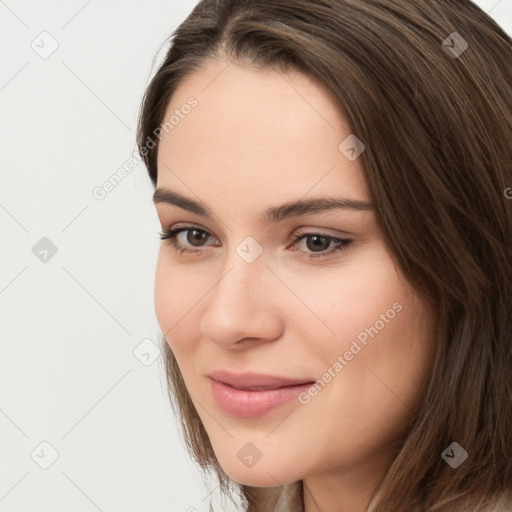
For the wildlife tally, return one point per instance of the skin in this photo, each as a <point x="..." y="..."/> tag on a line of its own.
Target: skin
<point x="259" y="138"/>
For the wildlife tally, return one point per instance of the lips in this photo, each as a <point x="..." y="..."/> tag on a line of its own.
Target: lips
<point x="249" y="395"/>
<point x="250" y="381"/>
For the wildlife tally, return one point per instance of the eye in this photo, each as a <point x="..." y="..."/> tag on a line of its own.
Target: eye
<point x="322" y="242"/>
<point x="196" y="237"/>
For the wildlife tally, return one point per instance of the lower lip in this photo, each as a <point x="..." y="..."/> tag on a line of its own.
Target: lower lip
<point x="250" y="404"/>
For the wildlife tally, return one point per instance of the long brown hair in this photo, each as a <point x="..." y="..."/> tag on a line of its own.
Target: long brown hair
<point x="434" y="110"/>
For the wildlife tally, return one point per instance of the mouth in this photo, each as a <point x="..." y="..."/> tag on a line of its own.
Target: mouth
<point x="263" y="388"/>
<point x="256" y="388"/>
<point x="250" y="381"/>
<point x="251" y="401"/>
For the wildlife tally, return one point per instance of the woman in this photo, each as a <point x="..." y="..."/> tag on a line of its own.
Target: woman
<point x="334" y="284"/>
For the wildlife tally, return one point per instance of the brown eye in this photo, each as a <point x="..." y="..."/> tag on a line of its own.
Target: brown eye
<point x="196" y="236"/>
<point x="317" y="243"/>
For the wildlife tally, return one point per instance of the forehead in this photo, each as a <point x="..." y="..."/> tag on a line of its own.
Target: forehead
<point x="256" y="135"/>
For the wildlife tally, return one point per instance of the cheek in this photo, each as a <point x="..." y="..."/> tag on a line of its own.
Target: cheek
<point x="383" y="336"/>
<point x="370" y="394"/>
<point x="375" y="321"/>
<point x="348" y="301"/>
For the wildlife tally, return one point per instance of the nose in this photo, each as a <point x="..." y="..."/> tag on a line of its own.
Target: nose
<point x="243" y="306"/>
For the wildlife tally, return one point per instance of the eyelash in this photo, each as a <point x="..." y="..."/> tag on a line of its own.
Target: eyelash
<point x="172" y="233"/>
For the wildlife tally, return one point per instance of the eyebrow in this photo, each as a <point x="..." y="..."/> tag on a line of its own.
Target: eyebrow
<point x="274" y="213"/>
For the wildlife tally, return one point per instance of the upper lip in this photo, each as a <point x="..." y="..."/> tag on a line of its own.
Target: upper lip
<point x="252" y="380"/>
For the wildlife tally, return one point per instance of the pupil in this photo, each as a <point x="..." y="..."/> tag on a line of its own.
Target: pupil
<point x="198" y="238"/>
<point x="323" y="246"/>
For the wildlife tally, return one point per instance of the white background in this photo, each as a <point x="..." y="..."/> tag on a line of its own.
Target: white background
<point x="68" y="327"/>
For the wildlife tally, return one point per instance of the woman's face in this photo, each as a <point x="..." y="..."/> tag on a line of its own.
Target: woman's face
<point x="252" y="298"/>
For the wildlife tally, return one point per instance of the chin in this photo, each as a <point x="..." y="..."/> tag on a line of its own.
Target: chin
<point x="255" y="479"/>
<point x="259" y="475"/>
